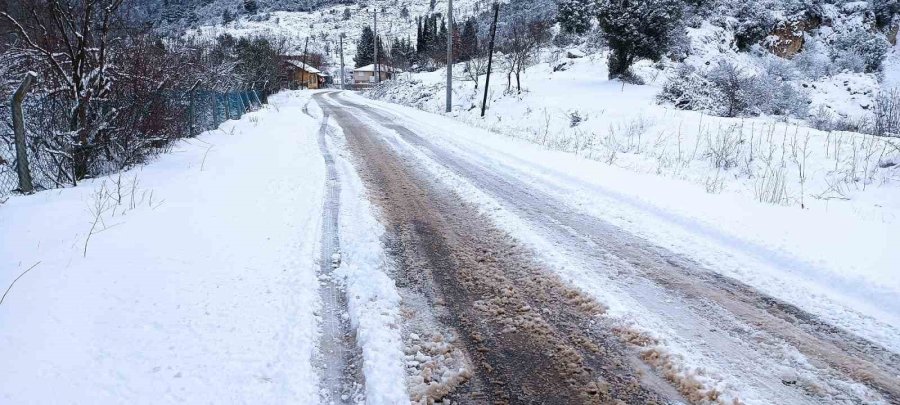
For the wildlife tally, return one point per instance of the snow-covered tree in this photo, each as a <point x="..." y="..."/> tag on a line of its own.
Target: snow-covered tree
<point x="250" y="6"/>
<point x="753" y="21"/>
<point x="575" y="15"/>
<point x="637" y="29"/>
<point x="468" y="40"/>
<point x="365" y="49"/>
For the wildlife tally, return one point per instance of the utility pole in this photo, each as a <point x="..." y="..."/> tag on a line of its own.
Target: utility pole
<point x="487" y="80"/>
<point x="303" y="78"/>
<point x="343" y="75"/>
<point x="377" y="65"/>
<point x="449" y="55"/>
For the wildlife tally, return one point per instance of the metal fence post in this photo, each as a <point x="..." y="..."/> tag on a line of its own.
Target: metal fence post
<point x="229" y="96"/>
<point x="215" y="102"/>
<point x="192" y="111"/>
<point x="245" y="101"/>
<point x="25" y="183"/>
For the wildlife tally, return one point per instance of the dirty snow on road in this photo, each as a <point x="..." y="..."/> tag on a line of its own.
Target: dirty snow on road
<point x="694" y="318"/>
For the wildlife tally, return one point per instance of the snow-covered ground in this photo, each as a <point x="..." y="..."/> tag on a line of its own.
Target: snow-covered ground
<point x="196" y="283"/>
<point x="726" y="191"/>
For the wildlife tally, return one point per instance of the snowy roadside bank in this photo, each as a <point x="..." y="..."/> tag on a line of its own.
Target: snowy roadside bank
<point x="198" y="283"/>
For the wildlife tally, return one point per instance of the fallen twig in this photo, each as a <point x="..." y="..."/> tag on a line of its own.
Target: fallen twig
<point x="17" y="279"/>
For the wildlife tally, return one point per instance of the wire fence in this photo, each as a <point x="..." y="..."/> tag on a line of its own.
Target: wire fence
<point x="137" y="130"/>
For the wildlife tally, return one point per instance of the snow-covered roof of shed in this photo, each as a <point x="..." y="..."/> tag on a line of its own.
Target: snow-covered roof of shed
<point x="304" y="66"/>
<point x="382" y="67"/>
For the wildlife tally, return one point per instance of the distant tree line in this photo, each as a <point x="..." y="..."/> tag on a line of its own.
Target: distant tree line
<point x="428" y="51"/>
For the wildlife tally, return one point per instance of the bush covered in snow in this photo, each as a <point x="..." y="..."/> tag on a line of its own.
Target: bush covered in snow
<point x="575" y="15"/>
<point x="637" y="29"/>
<point x="731" y="91"/>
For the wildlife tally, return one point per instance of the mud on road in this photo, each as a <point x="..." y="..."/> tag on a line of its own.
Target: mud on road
<point x="529" y="337"/>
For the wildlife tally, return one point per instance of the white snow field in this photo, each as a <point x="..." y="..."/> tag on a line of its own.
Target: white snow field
<point x="198" y="285"/>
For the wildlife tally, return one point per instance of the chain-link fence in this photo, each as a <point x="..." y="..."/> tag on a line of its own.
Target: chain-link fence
<point x="136" y="130"/>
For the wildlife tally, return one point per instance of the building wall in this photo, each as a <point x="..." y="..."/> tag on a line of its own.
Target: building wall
<point x="368" y="77"/>
<point x="312" y="80"/>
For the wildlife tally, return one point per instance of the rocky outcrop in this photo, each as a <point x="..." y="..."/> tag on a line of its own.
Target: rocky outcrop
<point x="788" y="37"/>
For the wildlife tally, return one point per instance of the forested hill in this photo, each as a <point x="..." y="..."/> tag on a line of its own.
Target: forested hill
<point x="181" y="14"/>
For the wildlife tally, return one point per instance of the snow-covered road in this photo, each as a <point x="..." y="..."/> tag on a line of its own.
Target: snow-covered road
<point x="712" y="336"/>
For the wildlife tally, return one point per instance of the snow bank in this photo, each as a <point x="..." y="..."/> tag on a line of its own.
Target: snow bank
<point x="198" y="284"/>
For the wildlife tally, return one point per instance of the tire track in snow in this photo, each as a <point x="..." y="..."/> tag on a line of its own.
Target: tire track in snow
<point x="338" y="358"/>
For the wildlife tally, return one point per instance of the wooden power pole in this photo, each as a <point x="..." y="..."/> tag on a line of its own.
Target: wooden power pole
<point x="343" y="75"/>
<point x="449" y="55"/>
<point x="377" y="65"/>
<point x="487" y="80"/>
<point x="303" y="78"/>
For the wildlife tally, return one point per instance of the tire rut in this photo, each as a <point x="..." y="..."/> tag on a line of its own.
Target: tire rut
<point x="530" y="338"/>
<point x="339" y="358"/>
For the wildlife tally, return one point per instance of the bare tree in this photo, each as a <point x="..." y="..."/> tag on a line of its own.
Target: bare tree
<point x="72" y="40"/>
<point x="523" y="40"/>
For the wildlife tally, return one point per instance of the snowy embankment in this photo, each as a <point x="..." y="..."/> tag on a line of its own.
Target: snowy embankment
<point x="726" y="192"/>
<point x="190" y="279"/>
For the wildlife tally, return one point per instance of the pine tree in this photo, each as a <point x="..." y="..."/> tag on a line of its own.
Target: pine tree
<point x="420" y="38"/>
<point x="365" y="49"/>
<point x="468" y="48"/>
<point x="575" y="15"/>
<point x="637" y="29"/>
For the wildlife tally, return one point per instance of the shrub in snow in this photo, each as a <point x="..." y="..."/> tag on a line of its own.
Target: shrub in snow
<point x="886" y="115"/>
<point x="736" y="89"/>
<point x="751" y="21"/>
<point x="859" y="50"/>
<point x="813" y="62"/>
<point x="637" y="29"/>
<point x="687" y="89"/>
<point x="731" y="91"/>
<point x="575" y="15"/>
<point x="885" y="11"/>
